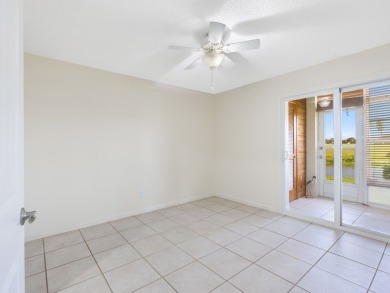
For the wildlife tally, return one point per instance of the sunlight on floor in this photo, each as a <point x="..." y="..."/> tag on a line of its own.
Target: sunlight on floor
<point x="355" y="214"/>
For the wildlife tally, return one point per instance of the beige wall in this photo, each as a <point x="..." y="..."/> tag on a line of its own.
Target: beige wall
<point x="248" y="124"/>
<point x="95" y="141"/>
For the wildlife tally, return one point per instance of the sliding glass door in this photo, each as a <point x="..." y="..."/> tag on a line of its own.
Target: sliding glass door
<point x="371" y="157"/>
<point x="337" y="156"/>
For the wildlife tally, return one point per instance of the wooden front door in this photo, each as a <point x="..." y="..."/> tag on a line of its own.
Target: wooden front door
<point x="292" y="151"/>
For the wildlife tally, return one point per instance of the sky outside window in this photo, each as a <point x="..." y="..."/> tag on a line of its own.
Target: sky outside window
<point x="348" y="124"/>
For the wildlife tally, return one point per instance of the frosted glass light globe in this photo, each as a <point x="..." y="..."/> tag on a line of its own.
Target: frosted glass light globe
<point x="212" y="59"/>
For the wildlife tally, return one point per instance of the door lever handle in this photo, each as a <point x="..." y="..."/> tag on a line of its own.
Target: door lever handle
<point x="27" y="216"/>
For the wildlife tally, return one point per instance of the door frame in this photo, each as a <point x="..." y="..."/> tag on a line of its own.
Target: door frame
<point x="293" y="192"/>
<point x="337" y="153"/>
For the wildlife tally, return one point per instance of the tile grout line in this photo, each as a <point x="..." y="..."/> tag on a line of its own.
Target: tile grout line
<point x="373" y="278"/>
<point x="44" y="258"/>
<point x="358" y="217"/>
<point x="195" y="260"/>
<point x="251" y="262"/>
<point x="220" y="246"/>
<point x="144" y="258"/>
<point x="314" y="265"/>
<point x="73" y="262"/>
<point x="104" y="277"/>
<point x="363" y="264"/>
<point x="328" y="251"/>
<point x="78" y="283"/>
<point x="288" y="238"/>
<point x="272" y="249"/>
<point x="275" y="249"/>
<point x="225" y="283"/>
<point x="70" y="261"/>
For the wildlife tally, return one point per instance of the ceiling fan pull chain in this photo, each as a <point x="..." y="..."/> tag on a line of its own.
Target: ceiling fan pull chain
<point x="212" y="80"/>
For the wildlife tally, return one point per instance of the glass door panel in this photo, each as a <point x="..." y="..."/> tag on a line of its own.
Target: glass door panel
<point x="366" y="155"/>
<point x="326" y="156"/>
<point x="352" y="171"/>
<point x="350" y="163"/>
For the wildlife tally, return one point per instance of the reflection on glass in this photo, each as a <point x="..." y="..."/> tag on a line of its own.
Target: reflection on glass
<point x="329" y="146"/>
<point x="329" y="164"/>
<point x="348" y="146"/>
<point x="348" y="158"/>
<point x="348" y="136"/>
<point x="351" y="208"/>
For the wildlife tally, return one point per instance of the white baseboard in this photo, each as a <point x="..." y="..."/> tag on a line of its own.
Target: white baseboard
<point x="105" y="219"/>
<point x="254" y="204"/>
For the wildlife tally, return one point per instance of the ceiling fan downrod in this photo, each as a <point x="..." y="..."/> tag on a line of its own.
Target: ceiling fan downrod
<point x="212" y="80"/>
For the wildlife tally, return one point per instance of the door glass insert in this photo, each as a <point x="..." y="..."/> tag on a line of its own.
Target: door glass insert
<point x="348" y="142"/>
<point x="328" y="142"/>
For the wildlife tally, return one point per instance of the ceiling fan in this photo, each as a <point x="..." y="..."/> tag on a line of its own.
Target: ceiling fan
<point x="214" y="51"/>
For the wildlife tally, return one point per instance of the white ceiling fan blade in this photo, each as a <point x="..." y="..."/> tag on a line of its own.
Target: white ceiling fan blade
<point x="182" y="48"/>
<point x="242" y="46"/>
<point x="228" y="63"/>
<point x="216" y="31"/>
<point x="193" y="64"/>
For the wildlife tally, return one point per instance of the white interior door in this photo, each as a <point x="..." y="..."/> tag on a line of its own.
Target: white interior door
<point x="11" y="147"/>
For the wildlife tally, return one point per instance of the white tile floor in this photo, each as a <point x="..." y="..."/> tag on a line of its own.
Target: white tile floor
<point x="211" y="245"/>
<point x="355" y="214"/>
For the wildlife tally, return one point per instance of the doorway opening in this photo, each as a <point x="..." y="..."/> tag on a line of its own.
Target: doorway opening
<point x="306" y="155"/>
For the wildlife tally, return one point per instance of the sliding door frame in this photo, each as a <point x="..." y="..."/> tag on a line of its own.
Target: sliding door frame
<point x="337" y="108"/>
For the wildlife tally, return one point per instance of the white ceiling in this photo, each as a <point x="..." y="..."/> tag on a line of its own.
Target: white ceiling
<point x="131" y="37"/>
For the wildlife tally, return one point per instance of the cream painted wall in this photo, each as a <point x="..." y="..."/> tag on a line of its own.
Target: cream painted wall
<point x="95" y="141"/>
<point x="248" y="124"/>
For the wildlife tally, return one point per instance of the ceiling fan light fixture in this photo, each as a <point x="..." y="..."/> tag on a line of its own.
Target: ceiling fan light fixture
<point x="212" y="59"/>
<point x="325" y="102"/>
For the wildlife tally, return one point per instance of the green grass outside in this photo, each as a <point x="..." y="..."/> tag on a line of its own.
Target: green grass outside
<point x="378" y="153"/>
<point x="348" y="157"/>
<point x="345" y="179"/>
